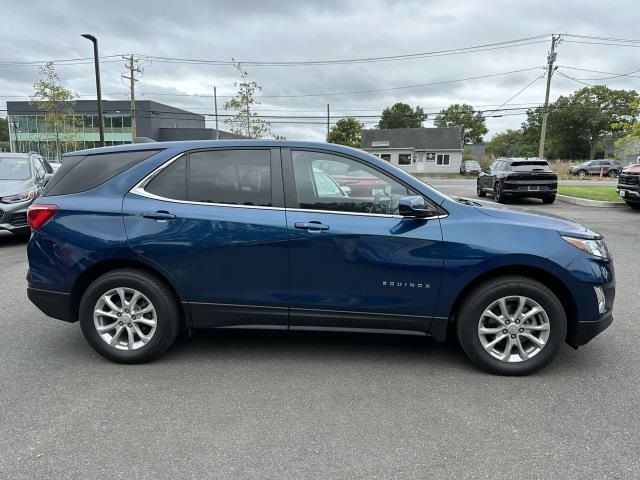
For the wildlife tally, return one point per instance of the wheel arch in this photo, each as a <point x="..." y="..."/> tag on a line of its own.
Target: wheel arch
<point x="98" y="269"/>
<point x="550" y="280"/>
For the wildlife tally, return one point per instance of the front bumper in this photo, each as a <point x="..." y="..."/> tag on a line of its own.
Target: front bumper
<point x="630" y="193"/>
<point x="53" y="304"/>
<point x="13" y="217"/>
<point x="582" y="332"/>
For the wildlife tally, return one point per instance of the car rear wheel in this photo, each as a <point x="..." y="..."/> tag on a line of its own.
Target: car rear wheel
<point x="613" y="173"/>
<point x="549" y="199"/>
<point x="497" y="194"/>
<point x="129" y="316"/>
<point x="511" y="325"/>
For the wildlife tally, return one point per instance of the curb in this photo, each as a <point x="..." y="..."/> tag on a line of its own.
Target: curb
<point x="583" y="202"/>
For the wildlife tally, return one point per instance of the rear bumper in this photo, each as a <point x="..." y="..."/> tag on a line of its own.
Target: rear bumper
<point x="53" y="304"/>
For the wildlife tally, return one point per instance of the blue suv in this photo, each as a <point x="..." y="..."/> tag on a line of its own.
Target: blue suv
<point x="138" y="242"/>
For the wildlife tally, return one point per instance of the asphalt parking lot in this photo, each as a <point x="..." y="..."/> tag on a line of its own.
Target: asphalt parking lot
<point x="281" y="405"/>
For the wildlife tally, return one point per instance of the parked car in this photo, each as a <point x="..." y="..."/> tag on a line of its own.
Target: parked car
<point x="518" y="178"/>
<point x="629" y="185"/>
<point x="610" y="168"/>
<point x="137" y="242"/>
<point x="470" y="166"/>
<point x="353" y="180"/>
<point x="22" y="177"/>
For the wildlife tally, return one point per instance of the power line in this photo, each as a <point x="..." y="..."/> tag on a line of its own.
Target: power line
<point x="435" y="53"/>
<point x="574" y="79"/>
<point x="358" y="92"/>
<point x="603" y="43"/>
<point x="592" y="37"/>
<point x="612" y="75"/>
<point x="164" y="59"/>
<point x="522" y="90"/>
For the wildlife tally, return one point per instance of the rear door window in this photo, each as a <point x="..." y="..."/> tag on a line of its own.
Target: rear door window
<point x="236" y="177"/>
<point x="171" y="182"/>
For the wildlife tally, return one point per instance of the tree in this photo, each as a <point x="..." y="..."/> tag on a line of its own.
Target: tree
<point x="244" y="121"/>
<point x="510" y="143"/>
<point x="401" y="115"/>
<point x="592" y="114"/>
<point x="57" y="102"/>
<point x="471" y="123"/>
<point x="346" y="131"/>
<point x="4" y="130"/>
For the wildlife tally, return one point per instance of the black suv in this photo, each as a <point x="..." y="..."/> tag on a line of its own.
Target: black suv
<point x="629" y="185"/>
<point x="518" y="177"/>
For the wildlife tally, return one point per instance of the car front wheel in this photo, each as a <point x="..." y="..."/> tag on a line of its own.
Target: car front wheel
<point x="582" y="173"/>
<point x="479" y="190"/>
<point x="511" y="325"/>
<point x="129" y="316"/>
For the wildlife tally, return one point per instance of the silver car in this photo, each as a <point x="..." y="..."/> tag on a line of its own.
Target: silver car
<point x="22" y="179"/>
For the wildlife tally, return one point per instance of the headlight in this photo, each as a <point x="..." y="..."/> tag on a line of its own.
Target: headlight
<point x="592" y="247"/>
<point x="19" y="197"/>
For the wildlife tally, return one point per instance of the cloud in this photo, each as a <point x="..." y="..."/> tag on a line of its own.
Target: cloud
<point x="258" y="30"/>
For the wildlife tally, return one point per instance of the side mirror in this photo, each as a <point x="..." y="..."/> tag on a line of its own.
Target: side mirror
<point x="415" y="207"/>
<point x="47" y="177"/>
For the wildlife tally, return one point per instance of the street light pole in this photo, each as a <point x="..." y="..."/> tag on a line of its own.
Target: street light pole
<point x="96" y="60"/>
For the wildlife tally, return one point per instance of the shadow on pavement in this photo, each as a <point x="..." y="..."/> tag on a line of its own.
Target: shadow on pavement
<point x="8" y="239"/>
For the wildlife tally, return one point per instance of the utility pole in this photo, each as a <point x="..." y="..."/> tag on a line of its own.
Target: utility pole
<point x="328" y="121"/>
<point x="551" y="58"/>
<point x="132" y="66"/>
<point x="215" y="106"/>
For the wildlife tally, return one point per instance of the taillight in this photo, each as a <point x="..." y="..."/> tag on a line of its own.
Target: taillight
<point x="38" y="215"/>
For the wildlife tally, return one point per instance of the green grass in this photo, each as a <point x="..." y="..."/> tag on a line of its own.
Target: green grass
<point x="603" y="193"/>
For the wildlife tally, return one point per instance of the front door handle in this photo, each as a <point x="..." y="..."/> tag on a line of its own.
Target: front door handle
<point x="312" y="226"/>
<point x="159" y="215"/>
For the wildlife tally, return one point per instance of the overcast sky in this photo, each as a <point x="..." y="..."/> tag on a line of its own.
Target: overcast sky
<point x="262" y="30"/>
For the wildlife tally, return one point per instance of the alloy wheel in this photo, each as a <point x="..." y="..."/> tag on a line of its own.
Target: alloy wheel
<point x="125" y="318"/>
<point x="514" y="329"/>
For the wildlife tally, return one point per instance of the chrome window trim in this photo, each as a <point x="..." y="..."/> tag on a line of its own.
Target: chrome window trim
<point x="139" y="190"/>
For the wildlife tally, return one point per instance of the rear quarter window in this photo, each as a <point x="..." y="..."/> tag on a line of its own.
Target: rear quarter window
<point x="82" y="173"/>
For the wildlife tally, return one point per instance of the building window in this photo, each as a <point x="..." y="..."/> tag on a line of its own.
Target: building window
<point x="404" y="159"/>
<point x="442" y="159"/>
<point x="386" y="157"/>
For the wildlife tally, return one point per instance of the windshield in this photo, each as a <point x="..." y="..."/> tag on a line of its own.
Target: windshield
<point x="14" y="168"/>
<point x="472" y="163"/>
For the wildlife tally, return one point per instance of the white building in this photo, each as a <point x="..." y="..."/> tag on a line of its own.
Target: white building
<point x="416" y="150"/>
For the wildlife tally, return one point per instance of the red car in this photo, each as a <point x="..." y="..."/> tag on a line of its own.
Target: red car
<point x="629" y="185"/>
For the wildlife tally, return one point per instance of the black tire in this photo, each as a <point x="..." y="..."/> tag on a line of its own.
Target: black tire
<point x="482" y="296"/>
<point x="159" y="294"/>
<point x="612" y="173"/>
<point x="549" y="198"/>
<point x="497" y="193"/>
<point x="581" y="173"/>
<point x="481" y="193"/>
<point x="634" y="205"/>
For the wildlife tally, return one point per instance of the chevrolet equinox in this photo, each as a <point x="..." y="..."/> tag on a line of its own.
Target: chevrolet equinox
<point x="137" y="242"/>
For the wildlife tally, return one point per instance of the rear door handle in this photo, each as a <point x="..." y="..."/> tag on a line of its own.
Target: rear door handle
<point x="312" y="226"/>
<point x="159" y="215"/>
